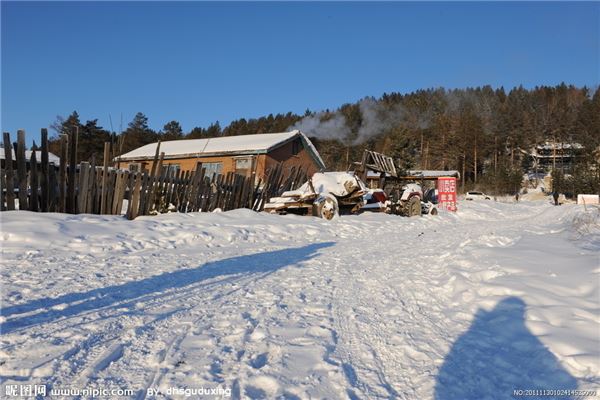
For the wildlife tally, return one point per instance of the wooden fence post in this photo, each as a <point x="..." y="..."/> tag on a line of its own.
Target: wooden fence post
<point x="22" y="170"/>
<point x="105" y="178"/>
<point x="33" y="180"/>
<point x="45" y="182"/>
<point x="72" y="168"/>
<point x="62" y="179"/>
<point x="10" y="176"/>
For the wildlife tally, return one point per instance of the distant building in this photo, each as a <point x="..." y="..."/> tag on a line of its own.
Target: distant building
<point x="244" y="155"/>
<point x="551" y="155"/>
<point x="52" y="158"/>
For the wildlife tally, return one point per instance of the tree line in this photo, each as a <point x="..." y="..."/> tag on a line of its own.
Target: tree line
<point x="482" y="132"/>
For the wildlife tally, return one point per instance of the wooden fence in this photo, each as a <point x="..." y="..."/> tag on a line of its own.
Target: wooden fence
<point x="88" y="188"/>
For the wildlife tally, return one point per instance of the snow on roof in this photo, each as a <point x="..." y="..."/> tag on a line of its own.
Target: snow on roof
<point x="230" y="145"/>
<point x="433" y="173"/>
<point x="375" y="174"/>
<point x="559" y="146"/>
<point x="38" y="155"/>
<point x="227" y="144"/>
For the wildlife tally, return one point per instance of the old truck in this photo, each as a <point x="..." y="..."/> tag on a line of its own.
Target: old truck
<point x="403" y="196"/>
<point x="327" y="194"/>
<point x="324" y="195"/>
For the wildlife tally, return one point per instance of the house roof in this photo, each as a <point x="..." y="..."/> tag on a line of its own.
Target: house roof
<point x="52" y="158"/>
<point x="228" y="145"/>
<point x="431" y="174"/>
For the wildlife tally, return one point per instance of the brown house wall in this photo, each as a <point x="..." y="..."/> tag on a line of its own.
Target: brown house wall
<point x="285" y="154"/>
<point x="189" y="164"/>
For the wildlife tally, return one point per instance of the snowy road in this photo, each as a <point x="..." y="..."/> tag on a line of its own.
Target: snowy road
<point x="497" y="298"/>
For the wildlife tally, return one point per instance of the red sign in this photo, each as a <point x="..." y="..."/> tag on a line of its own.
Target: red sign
<point x="447" y="194"/>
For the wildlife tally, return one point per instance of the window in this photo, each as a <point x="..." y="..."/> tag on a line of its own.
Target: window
<point x="212" y="168"/>
<point x="173" y="168"/>
<point x="242" y="163"/>
<point x="296" y="146"/>
<point x="134" y="167"/>
<point x="243" y="166"/>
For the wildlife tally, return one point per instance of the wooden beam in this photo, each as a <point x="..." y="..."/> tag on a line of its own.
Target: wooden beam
<point x="22" y="170"/>
<point x="10" y="177"/>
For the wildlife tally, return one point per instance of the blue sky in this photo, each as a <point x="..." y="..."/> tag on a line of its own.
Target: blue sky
<point x="201" y="62"/>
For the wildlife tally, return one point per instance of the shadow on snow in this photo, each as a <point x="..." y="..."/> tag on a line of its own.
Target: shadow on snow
<point x="497" y="356"/>
<point x="134" y="291"/>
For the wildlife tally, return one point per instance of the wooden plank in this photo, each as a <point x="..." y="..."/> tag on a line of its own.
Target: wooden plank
<point x="91" y="187"/>
<point x="121" y="198"/>
<point x="239" y="191"/>
<point x="183" y="191"/>
<point x="83" y="192"/>
<point x="217" y="192"/>
<point x="234" y="191"/>
<point x="155" y="161"/>
<point x="188" y="191"/>
<point x="143" y="194"/>
<point x="244" y="193"/>
<point x="169" y="186"/>
<point x="79" y="190"/>
<point x="195" y="187"/>
<point x="206" y="192"/>
<point x="53" y="189"/>
<point x="160" y="194"/>
<point x="22" y="170"/>
<point x="175" y="188"/>
<point x="71" y="182"/>
<point x="2" y="186"/>
<point x="225" y="188"/>
<point x="197" y="195"/>
<point x="62" y="179"/>
<point x="249" y="194"/>
<point x="115" y="199"/>
<point x="135" y="197"/>
<point x="111" y="191"/>
<point x="230" y="190"/>
<point x="104" y="188"/>
<point x="256" y="195"/>
<point x="33" y="180"/>
<point x="10" y="176"/>
<point x="121" y="182"/>
<point x="44" y="182"/>
<point x="129" y="193"/>
<point x="202" y="189"/>
<point x="156" y="172"/>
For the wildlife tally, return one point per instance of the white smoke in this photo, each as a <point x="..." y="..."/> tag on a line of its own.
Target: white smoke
<point x="324" y="126"/>
<point x="375" y="116"/>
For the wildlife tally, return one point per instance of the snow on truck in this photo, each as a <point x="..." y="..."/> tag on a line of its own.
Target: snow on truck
<point x="327" y="194"/>
<point x="323" y="195"/>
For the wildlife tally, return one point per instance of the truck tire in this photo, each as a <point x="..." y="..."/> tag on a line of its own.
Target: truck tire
<point x="326" y="207"/>
<point x="414" y="207"/>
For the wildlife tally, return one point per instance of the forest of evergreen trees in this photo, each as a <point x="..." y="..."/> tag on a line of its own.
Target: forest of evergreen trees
<point x="477" y="131"/>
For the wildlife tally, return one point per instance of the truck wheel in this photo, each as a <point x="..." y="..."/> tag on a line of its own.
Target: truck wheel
<point x="414" y="207"/>
<point x="326" y="207"/>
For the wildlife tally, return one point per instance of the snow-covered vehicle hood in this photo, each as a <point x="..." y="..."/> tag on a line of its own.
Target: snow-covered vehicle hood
<point x="340" y="184"/>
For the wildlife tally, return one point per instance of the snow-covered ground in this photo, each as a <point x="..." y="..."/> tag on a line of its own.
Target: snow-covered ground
<point x="474" y="305"/>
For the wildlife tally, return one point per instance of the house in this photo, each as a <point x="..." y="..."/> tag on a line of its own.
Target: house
<point x="52" y="158"/>
<point x="244" y="155"/>
<point x="550" y="155"/>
